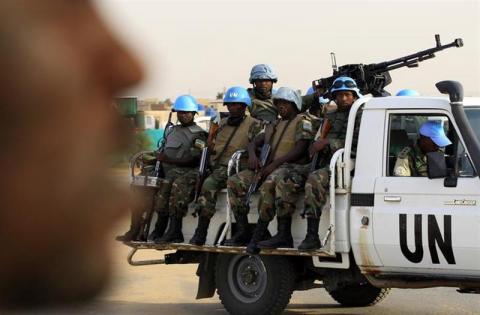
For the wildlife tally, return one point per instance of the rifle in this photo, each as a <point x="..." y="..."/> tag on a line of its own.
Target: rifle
<point x="264" y="155"/>
<point x="158" y="173"/>
<point x="373" y="78"/>
<point x="202" y="174"/>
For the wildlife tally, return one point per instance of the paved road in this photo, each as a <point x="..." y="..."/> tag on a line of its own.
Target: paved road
<point x="154" y="290"/>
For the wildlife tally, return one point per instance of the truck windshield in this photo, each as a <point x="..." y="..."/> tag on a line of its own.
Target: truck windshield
<point x="473" y="115"/>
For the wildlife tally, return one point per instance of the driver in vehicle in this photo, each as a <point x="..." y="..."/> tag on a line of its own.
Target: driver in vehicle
<point x="412" y="161"/>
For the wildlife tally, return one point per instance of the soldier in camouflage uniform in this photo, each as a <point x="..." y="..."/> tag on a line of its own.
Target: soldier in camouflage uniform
<point x="262" y="77"/>
<point x="412" y="161"/>
<point x="178" y="156"/>
<point x="289" y="138"/>
<point x="234" y="133"/>
<point x="344" y="91"/>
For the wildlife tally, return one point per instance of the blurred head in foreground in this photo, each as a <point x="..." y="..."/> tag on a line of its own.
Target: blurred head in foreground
<point x="59" y="71"/>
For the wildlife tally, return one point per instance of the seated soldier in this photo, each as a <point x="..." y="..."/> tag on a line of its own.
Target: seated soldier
<point x="262" y="78"/>
<point x="228" y="138"/>
<point x="344" y="92"/>
<point x="412" y="161"/>
<point x="289" y="138"/>
<point x="179" y="155"/>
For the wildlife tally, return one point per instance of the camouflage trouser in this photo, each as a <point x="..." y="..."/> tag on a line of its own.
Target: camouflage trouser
<point x="210" y="188"/>
<point x="175" y="191"/>
<point x="279" y="192"/>
<point x="237" y="186"/>
<point x="316" y="190"/>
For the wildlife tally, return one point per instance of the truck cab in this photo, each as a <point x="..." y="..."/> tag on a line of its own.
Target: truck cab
<point x="414" y="231"/>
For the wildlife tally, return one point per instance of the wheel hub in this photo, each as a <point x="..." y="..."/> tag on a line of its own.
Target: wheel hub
<point x="248" y="278"/>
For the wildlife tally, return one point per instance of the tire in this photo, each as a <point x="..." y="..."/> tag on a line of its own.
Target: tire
<point x="360" y="294"/>
<point x="254" y="285"/>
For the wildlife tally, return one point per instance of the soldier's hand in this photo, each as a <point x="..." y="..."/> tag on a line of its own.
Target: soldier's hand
<point x="253" y="163"/>
<point x="317" y="146"/>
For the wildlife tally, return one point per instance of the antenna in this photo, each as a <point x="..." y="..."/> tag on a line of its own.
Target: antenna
<point x="334" y="63"/>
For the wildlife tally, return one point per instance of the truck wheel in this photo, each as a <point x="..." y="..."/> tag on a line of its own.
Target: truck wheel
<point x="360" y="294"/>
<point x="254" y="284"/>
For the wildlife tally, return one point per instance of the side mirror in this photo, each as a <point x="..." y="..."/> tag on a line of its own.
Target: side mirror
<point x="436" y="165"/>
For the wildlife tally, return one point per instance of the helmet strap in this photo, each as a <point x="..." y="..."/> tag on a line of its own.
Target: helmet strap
<point x="235" y="121"/>
<point x="262" y="95"/>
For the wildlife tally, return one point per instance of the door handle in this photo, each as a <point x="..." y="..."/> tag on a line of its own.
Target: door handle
<point x="392" y="198"/>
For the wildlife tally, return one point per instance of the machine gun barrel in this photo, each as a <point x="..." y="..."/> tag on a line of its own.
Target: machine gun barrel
<point x="373" y="78"/>
<point x="413" y="59"/>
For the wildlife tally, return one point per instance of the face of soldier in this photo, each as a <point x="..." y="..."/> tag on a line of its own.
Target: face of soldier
<point x="426" y="145"/>
<point x="286" y="109"/>
<point x="263" y="85"/>
<point x="185" y="118"/>
<point x="236" y="109"/>
<point x="60" y="69"/>
<point x="344" y="99"/>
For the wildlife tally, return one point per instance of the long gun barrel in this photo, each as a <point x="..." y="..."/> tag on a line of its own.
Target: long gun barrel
<point x="373" y="78"/>
<point x="202" y="174"/>
<point x="264" y="155"/>
<point x="413" y="59"/>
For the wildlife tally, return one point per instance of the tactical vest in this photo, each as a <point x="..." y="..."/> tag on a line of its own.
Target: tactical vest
<point x="180" y="141"/>
<point x="262" y="109"/>
<point x="239" y="140"/>
<point x="338" y="131"/>
<point x="284" y="141"/>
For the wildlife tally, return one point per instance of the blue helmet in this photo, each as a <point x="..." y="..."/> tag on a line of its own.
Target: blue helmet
<point x="287" y="94"/>
<point x="407" y="92"/>
<point x="345" y="84"/>
<point x="433" y="129"/>
<point x="309" y="91"/>
<point x="237" y="94"/>
<point x="263" y="72"/>
<point x="185" y="103"/>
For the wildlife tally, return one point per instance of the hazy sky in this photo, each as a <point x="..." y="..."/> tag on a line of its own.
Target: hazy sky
<point x="203" y="46"/>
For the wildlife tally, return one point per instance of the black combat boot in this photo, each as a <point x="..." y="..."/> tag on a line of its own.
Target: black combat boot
<point x="173" y="233"/>
<point x="200" y="235"/>
<point x="135" y="227"/>
<point x="283" y="238"/>
<point x="243" y="234"/>
<point x="311" y="241"/>
<point x="260" y="233"/>
<point x="160" y="227"/>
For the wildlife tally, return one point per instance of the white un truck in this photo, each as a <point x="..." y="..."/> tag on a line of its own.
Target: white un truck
<point x="378" y="231"/>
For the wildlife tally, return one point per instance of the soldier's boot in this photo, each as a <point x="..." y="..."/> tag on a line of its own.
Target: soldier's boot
<point x="243" y="234"/>
<point x="283" y="238"/>
<point x="173" y="233"/>
<point x="311" y="241"/>
<point x="160" y="227"/>
<point x="200" y="235"/>
<point x="135" y="227"/>
<point x="259" y="234"/>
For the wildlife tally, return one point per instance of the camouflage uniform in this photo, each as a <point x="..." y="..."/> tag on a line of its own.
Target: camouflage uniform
<point x="262" y="107"/>
<point x="218" y="177"/>
<point x="280" y="189"/>
<point x="176" y="188"/>
<point x="411" y="161"/>
<point x="316" y="187"/>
